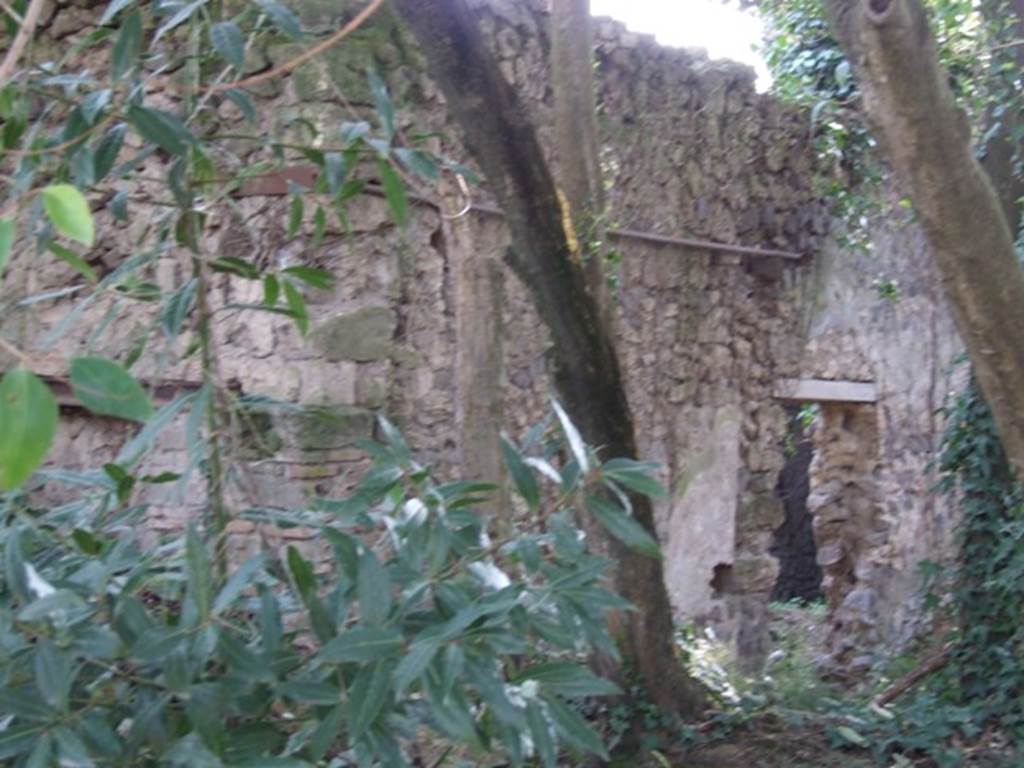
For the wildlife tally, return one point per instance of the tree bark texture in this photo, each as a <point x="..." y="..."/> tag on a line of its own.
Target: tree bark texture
<point x="576" y="136"/>
<point x="927" y="140"/>
<point x="587" y="375"/>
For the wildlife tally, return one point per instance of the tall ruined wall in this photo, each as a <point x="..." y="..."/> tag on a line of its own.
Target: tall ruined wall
<point x="689" y="150"/>
<point x="880" y="316"/>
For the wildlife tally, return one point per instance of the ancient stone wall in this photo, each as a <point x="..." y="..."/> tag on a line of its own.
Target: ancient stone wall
<point x="879" y="316"/>
<point x="690" y="150"/>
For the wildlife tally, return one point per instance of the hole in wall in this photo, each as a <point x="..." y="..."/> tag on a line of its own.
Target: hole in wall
<point x="723" y="580"/>
<point x="793" y="543"/>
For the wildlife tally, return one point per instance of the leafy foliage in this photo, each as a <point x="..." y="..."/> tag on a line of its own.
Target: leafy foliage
<point x="987" y="594"/>
<point x="87" y="148"/>
<point x="113" y="652"/>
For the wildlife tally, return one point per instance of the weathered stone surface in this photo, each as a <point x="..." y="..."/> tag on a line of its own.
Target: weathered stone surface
<point x="690" y="149"/>
<point x="326" y="427"/>
<point x="362" y="336"/>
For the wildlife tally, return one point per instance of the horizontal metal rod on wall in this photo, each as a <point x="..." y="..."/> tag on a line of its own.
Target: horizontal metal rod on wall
<point x="277" y="183"/>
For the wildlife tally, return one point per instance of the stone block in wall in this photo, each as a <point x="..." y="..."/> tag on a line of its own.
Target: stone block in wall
<point x="760" y="512"/>
<point x="363" y="335"/>
<point x="323" y="428"/>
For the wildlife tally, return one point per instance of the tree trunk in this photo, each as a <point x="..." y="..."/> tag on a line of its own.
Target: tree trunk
<point x="576" y="136"/>
<point x="927" y="140"/>
<point x="587" y="376"/>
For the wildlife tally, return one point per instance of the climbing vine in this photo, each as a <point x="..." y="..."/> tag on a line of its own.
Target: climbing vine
<point x="977" y="45"/>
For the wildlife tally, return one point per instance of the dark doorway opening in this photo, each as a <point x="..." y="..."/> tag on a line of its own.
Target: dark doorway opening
<point x="793" y="543"/>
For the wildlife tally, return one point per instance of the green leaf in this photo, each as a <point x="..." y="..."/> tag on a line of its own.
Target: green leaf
<point x="271" y="290"/>
<point x="361" y="644"/>
<point x="318" y="278"/>
<point x="305" y="584"/>
<point x="242" y="660"/>
<point x="228" y="41"/>
<point x="86" y="541"/>
<point x="160" y="128"/>
<point x="521" y="474"/>
<point x="179" y="18"/>
<point x="573" y="729"/>
<point x="635" y="475"/>
<point x="295" y="213"/>
<point x="113" y="9"/>
<point x="44" y="607"/>
<point x="282" y="18"/>
<point x="128" y="46"/>
<point x="367" y="696"/>
<point x="622" y="526"/>
<point x="296" y="307"/>
<point x="71" y="750"/>
<point x="374" y="589"/>
<point x="414" y="662"/>
<point x="177" y="307"/>
<point x="271" y="629"/>
<point x="6" y="243"/>
<point x="352" y="132"/>
<point x="326" y="734"/>
<point x="69" y="212"/>
<point x="394" y="191"/>
<point x="53" y="676"/>
<point x="75" y="261"/>
<point x="28" y="423"/>
<point x="419" y="162"/>
<point x="106" y="151"/>
<point x="107" y="389"/>
<point x="94" y="104"/>
<point x="243" y="102"/>
<point x="123" y="480"/>
<point x="568" y="679"/>
<point x="335" y="169"/>
<point x="235" y="265"/>
<point x="319" y="226"/>
<point x="236" y="584"/>
<point x="540" y="730"/>
<point x="199" y="571"/>
<point x="310" y="692"/>
<point x="24" y="703"/>
<point x="852" y="736"/>
<point x="382" y="102"/>
<point x="18" y="739"/>
<point x="42" y="754"/>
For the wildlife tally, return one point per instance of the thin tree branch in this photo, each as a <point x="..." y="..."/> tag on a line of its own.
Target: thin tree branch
<point x="305" y="56"/>
<point x="28" y="26"/>
<point x="11" y="12"/>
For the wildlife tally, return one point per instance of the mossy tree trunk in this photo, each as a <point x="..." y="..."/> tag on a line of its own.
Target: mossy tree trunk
<point x="587" y="376"/>
<point x="577" y="143"/>
<point x="927" y="139"/>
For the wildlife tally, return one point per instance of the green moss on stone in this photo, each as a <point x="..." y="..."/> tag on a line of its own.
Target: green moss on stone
<point x="325" y="427"/>
<point x="363" y="336"/>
